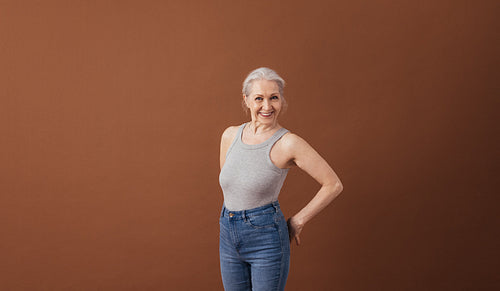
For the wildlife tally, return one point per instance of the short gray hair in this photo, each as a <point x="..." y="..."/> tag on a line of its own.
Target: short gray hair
<point x="263" y="73"/>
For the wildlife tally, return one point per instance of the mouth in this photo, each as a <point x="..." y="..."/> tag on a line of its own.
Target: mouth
<point x="266" y="114"/>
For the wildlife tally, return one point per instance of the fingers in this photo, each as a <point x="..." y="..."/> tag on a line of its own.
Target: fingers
<point x="293" y="233"/>
<point x="297" y="240"/>
<point x="290" y="234"/>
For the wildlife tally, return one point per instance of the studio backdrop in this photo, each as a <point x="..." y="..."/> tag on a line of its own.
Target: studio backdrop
<point x="111" y="114"/>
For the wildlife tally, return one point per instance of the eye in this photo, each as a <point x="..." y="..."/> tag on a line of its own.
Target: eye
<point x="274" y="97"/>
<point x="258" y="98"/>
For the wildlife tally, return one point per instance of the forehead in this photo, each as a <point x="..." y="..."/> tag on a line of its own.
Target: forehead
<point x="264" y="87"/>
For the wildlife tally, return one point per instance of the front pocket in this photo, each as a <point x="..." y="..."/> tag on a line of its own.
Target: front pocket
<point x="262" y="220"/>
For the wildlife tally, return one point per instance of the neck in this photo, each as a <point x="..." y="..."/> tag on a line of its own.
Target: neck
<point x="258" y="128"/>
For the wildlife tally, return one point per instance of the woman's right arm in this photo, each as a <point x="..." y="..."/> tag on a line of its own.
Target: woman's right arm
<point x="225" y="142"/>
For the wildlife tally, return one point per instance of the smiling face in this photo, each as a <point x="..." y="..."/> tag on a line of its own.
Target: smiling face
<point x="264" y="101"/>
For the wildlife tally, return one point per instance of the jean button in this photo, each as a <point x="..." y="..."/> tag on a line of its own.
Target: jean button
<point x="231" y="214"/>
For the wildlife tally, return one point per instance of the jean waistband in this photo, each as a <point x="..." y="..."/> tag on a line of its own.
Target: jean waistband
<point x="242" y="214"/>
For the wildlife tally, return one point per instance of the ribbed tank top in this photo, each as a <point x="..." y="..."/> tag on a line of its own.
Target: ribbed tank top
<point x="249" y="178"/>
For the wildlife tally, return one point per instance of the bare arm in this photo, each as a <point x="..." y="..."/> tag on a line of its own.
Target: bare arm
<point x="307" y="159"/>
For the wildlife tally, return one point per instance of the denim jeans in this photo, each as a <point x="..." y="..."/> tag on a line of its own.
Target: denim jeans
<point x="254" y="248"/>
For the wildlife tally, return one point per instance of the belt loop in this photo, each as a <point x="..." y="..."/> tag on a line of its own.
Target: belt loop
<point x="223" y="210"/>
<point x="244" y="214"/>
<point x="275" y="205"/>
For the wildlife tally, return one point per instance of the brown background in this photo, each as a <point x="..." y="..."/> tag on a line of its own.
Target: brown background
<point x="111" y="114"/>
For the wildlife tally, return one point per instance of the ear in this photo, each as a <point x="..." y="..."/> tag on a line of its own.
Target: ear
<point x="245" y="100"/>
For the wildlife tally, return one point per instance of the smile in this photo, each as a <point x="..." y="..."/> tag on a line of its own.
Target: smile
<point x="268" y="114"/>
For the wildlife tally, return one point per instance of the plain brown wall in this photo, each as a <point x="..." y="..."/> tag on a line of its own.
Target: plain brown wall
<point x="111" y="114"/>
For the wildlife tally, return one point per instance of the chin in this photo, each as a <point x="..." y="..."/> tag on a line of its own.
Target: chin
<point x="266" y="120"/>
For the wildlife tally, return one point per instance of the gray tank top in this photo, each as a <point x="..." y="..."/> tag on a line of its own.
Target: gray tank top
<point x="249" y="178"/>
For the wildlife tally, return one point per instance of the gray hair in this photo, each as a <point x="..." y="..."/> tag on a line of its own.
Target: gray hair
<point x="263" y="73"/>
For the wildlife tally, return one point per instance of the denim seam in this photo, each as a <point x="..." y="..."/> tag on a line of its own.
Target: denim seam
<point x="249" y="223"/>
<point x="282" y="257"/>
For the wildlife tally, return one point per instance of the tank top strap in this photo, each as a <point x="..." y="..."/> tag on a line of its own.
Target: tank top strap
<point x="236" y="140"/>
<point x="276" y="136"/>
<point x="240" y="132"/>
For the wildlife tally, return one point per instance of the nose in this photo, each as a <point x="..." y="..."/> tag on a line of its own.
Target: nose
<point x="266" y="105"/>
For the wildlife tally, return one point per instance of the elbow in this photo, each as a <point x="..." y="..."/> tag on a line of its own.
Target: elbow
<point x="338" y="188"/>
<point x="335" y="188"/>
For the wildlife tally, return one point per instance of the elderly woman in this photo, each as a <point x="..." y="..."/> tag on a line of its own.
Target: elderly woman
<point x="255" y="158"/>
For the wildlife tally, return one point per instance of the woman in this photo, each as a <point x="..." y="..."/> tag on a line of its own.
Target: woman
<point x="254" y="159"/>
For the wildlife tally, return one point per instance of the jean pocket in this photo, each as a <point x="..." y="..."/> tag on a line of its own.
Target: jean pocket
<point x="262" y="220"/>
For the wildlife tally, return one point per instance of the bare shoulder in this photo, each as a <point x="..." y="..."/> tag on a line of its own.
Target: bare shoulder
<point x="292" y="142"/>
<point x="289" y="149"/>
<point x="229" y="133"/>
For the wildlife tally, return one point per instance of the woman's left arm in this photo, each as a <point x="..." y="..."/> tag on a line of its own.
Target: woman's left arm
<point x="306" y="158"/>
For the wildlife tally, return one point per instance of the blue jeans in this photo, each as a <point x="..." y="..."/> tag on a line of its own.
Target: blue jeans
<point x="254" y="248"/>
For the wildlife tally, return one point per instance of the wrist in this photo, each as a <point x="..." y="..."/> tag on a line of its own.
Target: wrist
<point x="298" y="220"/>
